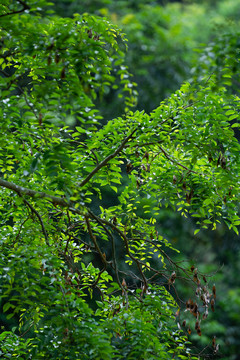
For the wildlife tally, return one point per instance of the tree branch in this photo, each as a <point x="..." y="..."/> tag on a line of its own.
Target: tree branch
<point x="25" y="7"/>
<point x="34" y="194"/>
<point x="107" y="159"/>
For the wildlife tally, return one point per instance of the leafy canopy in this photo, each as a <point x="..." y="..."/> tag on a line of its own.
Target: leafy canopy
<point x="81" y="277"/>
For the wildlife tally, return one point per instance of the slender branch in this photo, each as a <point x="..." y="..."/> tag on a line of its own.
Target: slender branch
<point x="77" y="239"/>
<point x="34" y="194"/>
<point x="103" y="257"/>
<point x="176" y="162"/>
<point x="40" y="220"/>
<point x="138" y="262"/>
<point x="107" y="159"/>
<point x="20" y="229"/>
<point x="113" y="248"/>
<point x="25" y="7"/>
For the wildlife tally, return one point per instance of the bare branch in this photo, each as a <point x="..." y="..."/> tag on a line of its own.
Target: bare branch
<point x="107" y="159"/>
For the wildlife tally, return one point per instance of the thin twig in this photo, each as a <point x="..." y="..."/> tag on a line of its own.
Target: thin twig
<point x="113" y="247"/>
<point x="176" y="162"/>
<point x="103" y="257"/>
<point x="138" y="262"/>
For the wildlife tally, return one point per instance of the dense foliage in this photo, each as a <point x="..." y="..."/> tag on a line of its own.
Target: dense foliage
<point x="83" y="277"/>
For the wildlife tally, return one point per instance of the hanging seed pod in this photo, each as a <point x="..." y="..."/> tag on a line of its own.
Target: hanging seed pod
<point x="174" y="179"/>
<point x="146" y="156"/>
<point x="63" y="73"/>
<point x="49" y="60"/>
<point x="57" y="58"/>
<point x="90" y="34"/>
<point x="212" y="305"/>
<point x="214" y="291"/>
<point x="223" y="162"/>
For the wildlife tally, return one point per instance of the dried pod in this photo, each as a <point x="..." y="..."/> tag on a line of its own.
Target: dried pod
<point x="199" y="332"/>
<point x="189" y="303"/>
<point x="49" y="60"/>
<point x="212" y="305"/>
<point x="192" y="268"/>
<point x="223" y="162"/>
<point x="184" y="323"/>
<point x="124" y="284"/>
<point x="137" y="153"/>
<point x="195" y="278"/>
<point x="214" y="342"/>
<point x="129" y="167"/>
<point x="205" y="314"/>
<point x="214" y="291"/>
<point x="90" y="34"/>
<point x="198" y="291"/>
<point x="63" y="73"/>
<point x="146" y="156"/>
<point x="40" y="116"/>
<point x="172" y="278"/>
<point x="210" y="159"/>
<point x="184" y="187"/>
<point x="50" y="47"/>
<point x="177" y="313"/>
<point x="57" y="58"/>
<point x="174" y="179"/>
<point x="189" y="331"/>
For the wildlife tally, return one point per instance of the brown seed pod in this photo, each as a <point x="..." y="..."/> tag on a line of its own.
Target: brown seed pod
<point x="90" y="34"/>
<point x="63" y="73"/>
<point x="49" y="60"/>
<point x="184" y="187"/>
<point x="212" y="305"/>
<point x="146" y="156"/>
<point x="223" y="162"/>
<point x="57" y="58"/>
<point x="214" y="291"/>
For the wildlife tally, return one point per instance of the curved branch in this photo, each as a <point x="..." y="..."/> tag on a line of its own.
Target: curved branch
<point x="107" y="159"/>
<point x="25" y="7"/>
<point x="34" y="194"/>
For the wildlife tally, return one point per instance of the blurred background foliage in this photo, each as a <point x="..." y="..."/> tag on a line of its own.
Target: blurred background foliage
<point x="170" y="42"/>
